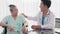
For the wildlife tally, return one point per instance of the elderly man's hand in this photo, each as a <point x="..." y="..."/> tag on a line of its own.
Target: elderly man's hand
<point x="10" y="28"/>
<point x="36" y="27"/>
<point x="24" y="29"/>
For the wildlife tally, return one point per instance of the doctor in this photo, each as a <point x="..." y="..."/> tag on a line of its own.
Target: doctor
<point x="45" y="18"/>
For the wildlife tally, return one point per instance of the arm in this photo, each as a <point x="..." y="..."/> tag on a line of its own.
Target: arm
<point x="24" y="29"/>
<point x="8" y="26"/>
<point x="24" y="24"/>
<point x="3" y="24"/>
<point x="36" y="27"/>
<point x="30" y="18"/>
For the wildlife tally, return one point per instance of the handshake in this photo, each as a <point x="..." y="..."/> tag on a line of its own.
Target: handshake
<point x="35" y="27"/>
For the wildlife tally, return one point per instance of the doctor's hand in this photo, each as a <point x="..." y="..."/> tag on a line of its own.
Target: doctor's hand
<point x="10" y="28"/>
<point x="24" y="15"/>
<point x="36" y="27"/>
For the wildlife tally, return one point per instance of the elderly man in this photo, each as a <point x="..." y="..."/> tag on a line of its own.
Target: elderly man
<point x="14" y="22"/>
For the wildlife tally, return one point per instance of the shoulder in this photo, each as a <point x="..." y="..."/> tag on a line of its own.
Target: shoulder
<point x="5" y="19"/>
<point x="52" y="14"/>
<point x="21" y="16"/>
<point x="7" y="16"/>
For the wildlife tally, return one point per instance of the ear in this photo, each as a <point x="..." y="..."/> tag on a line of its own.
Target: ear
<point x="46" y="6"/>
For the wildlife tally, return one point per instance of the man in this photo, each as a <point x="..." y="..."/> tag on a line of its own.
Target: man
<point x="45" y="18"/>
<point x="14" y="22"/>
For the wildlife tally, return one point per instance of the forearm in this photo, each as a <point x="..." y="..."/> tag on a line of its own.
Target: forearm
<point x="36" y="27"/>
<point x="48" y="26"/>
<point x="3" y="24"/>
<point x="32" y="18"/>
<point x="24" y="28"/>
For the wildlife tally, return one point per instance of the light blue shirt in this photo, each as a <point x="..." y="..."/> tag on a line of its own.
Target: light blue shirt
<point x="16" y="24"/>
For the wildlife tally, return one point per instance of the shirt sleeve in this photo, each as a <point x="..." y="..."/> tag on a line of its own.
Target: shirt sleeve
<point x="23" y="19"/>
<point x="34" y="18"/>
<point x="5" y="20"/>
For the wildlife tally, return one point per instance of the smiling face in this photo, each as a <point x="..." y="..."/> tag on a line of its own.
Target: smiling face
<point x="45" y="4"/>
<point x="42" y="6"/>
<point x="14" y="11"/>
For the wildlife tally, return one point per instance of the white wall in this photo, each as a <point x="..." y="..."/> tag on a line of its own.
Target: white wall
<point x="29" y="7"/>
<point x="55" y="7"/>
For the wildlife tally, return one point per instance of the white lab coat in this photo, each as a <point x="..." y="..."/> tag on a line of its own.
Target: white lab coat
<point x="49" y="22"/>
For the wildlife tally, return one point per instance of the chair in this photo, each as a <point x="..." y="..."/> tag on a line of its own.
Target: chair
<point x="57" y="25"/>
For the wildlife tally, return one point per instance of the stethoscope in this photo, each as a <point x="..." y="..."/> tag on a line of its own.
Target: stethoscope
<point x="47" y="20"/>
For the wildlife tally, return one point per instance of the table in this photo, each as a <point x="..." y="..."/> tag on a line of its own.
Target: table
<point x="41" y="32"/>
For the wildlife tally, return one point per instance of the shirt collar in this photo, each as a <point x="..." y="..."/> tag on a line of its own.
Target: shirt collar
<point x="48" y="12"/>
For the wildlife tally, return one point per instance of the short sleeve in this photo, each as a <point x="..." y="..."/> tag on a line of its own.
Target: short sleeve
<point x="23" y="19"/>
<point x="5" y="20"/>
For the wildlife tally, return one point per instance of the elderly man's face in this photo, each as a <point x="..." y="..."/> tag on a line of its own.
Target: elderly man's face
<point x="14" y="11"/>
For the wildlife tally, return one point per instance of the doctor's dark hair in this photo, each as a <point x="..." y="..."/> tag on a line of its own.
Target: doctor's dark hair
<point x="47" y="3"/>
<point x="11" y="7"/>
